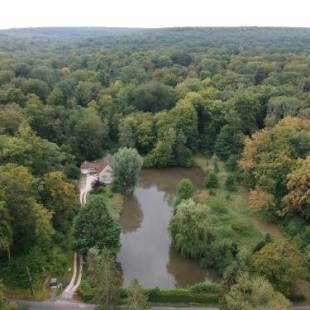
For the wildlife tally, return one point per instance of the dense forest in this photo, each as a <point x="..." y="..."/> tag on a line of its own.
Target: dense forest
<point x="240" y="94"/>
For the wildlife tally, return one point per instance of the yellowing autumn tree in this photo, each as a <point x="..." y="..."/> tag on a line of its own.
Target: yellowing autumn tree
<point x="298" y="186"/>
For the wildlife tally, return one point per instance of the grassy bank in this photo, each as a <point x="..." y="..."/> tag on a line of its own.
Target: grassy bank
<point x="115" y="200"/>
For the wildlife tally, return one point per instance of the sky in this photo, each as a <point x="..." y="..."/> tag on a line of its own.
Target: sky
<point x="153" y="13"/>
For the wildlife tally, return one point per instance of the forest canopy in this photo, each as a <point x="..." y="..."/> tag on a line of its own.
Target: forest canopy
<point x="74" y="94"/>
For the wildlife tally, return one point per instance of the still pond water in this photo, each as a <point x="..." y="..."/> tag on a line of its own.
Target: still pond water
<point x="147" y="253"/>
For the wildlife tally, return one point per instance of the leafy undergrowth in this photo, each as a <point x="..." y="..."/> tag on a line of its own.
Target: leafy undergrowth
<point x="235" y="202"/>
<point x="40" y="292"/>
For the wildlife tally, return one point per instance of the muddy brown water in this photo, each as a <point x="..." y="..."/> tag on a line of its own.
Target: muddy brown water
<point x="146" y="252"/>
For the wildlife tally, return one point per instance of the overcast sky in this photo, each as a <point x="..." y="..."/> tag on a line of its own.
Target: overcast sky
<point x="154" y="13"/>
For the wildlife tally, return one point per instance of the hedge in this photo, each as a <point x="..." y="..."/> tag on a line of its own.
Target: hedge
<point x="156" y="295"/>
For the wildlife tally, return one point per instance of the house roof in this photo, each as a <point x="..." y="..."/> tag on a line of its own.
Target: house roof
<point x="98" y="165"/>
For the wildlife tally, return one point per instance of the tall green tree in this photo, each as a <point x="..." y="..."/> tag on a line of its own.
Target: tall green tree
<point x="136" y="300"/>
<point x="105" y="276"/>
<point x="6" y="232"/>
<point x="18" y="194"/>
<point x="95" y="227"/>
<point x="126" y="165"/>
<point x="281" y="263"/>
<point x="59" y="196"/>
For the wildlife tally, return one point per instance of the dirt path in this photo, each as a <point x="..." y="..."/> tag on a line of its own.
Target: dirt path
<point x="68" y="293"/>
<point x="86" y="187"/>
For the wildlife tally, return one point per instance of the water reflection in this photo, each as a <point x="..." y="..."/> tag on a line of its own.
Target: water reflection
<point x="146" y="252"/>
<point x="185" y="272"/>
<point x="132" y="216"/>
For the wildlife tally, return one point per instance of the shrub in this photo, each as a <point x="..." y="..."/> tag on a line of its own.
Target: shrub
<point x="211" y="180"/>
<point x="230" y="182"/>
<point x="86" y="292"/>
<point x="231" y="163"/>
<point x="294" y="225"/>
<point x="206" y="287"/>
<point x="185" y="190"/>
<point x="253" y="293"/>
<point x="220" y="255"/>
<point x="180" y="296"/>
<point x="241" y="226"/>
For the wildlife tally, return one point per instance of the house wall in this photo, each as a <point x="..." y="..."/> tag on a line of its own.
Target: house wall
<point x="88" y="171"/>
<point x="106" y="175"/>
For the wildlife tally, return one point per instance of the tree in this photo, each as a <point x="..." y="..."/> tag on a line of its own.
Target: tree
<point x="281" y="263"/>
<point x="10" y="118"/>
<point x="282" y="106"/>
<point x="183" y="118"/>
<point x="136" y="299"/>
<point x="6" y="232"/>
<point x="253" y="293"/>
<point x="259" y="200"/>
<point x="162" y="155"/>
<point x="29" y="150"/>
<point x="17" y="192"/>
<point x="137" y="130"/>
<point x="35" y="86"/>
<point x="270" y="155"/>
<point x="229" y="141"/>
<point x="126" y="165"/>
<point x="191" y="229"/>
<point x="59" y="196"/>
<point x="94" y="227"/>
<point x="185" y="190"/>
<point x="103" y="273"/>
<point x="86" y="91"/>
<point x="298" y="185"/>
<point x="90" y="133"/>
<point x="44" y="230"/>
<point x="211" y="180"/>
<point x="230" y="181"/>
<point x="249" y="109"/>
<point x="152" y="97"/>
<point x="56" y="97"/>
<point x="45" y="120"/>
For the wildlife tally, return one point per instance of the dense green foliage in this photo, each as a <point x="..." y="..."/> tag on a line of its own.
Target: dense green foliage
<point x="126" y="165"/>
<point x="69" y="95"/>
<point x="281" y="264"/>
<point x="210" y="233"/>
<point x="253" y="293"/>
<point x="185" y="190"/>
<point x="94" y="227"/>
<point x="103" y="274"/>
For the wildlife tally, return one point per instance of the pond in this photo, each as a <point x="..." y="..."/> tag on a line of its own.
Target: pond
<point x="146" y="252"/>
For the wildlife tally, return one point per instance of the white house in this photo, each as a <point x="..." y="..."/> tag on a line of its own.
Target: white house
<point x="102" y="168"/>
